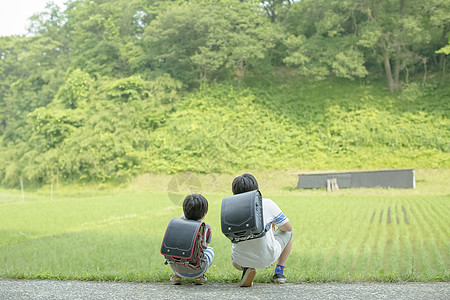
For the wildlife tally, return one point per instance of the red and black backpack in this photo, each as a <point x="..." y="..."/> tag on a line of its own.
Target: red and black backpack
<point x="183" y="241"/>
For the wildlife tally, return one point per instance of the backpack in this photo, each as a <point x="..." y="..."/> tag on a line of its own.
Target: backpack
<point x="241" y="217"/>
<point x="183" y="241"/>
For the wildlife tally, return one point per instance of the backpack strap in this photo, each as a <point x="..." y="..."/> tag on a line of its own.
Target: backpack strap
<point x="268" y="225"/>
<point x="266" y="229"/>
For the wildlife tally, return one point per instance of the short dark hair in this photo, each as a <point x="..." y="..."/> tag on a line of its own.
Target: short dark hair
<point x="195" y="207"/>
<point x="244" y="183"/>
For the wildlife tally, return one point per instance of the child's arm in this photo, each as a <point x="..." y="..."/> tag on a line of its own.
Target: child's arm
<point x="280" y="220"/>
<point x="286" y="226"/>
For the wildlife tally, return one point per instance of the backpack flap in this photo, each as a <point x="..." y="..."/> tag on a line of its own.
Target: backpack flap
<point x="180" y="238"/>
<point x="242" y="216"/>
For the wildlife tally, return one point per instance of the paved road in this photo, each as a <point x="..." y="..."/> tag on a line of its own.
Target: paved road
<point x="50" y="289"/>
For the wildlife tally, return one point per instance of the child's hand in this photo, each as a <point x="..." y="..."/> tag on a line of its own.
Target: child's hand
<point x="270" y="266"/>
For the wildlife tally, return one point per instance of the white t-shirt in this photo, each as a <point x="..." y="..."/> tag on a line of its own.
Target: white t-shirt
<point x="260" y="253"/>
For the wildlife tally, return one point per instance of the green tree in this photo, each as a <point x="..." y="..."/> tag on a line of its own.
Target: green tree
<point x="276" y="9"/>
<point x="75" y="90"/>
<point x="403" y="34"/>
<point x="348" y="38"/>
<point x="446" y="49"/>
<point x="33" y="68"/>
<point x="104" y="35"/>
<point x="35" y="78"/>
<point x="207" y="40"/>
<point x="322" y="39"/>
<point x="10" y="71"/>
<point x="439" y="14"/>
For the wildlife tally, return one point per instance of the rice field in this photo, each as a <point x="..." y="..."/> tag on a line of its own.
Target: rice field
<point x="115" y="234"/>
<point x="364" y="237"/>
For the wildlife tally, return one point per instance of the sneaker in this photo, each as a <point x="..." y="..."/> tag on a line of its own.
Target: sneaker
<point x="200" y="280"/>
<point x="175" y="279"/>
<point x="247" y="277"/>
<point x="279" y="278"/>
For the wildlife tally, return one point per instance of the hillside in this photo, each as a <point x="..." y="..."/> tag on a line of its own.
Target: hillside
<point x="287" y="122"/>
<point x="105" y="90"/>
<point x="273" y="122"/>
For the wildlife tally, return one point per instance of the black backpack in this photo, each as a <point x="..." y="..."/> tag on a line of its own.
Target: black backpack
<point x="183" y="241"/>
<point x="241" y="217"/>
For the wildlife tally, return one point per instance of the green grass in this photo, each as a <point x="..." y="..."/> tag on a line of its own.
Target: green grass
<point x="88" y="233"/>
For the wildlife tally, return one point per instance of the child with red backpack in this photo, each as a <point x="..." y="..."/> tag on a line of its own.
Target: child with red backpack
<point x="186" y="240"/>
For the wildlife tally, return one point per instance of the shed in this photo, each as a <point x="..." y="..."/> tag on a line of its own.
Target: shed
<point x="392" y="178"/>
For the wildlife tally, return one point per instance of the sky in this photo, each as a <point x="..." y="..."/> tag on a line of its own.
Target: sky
<point x="14" y="14"/>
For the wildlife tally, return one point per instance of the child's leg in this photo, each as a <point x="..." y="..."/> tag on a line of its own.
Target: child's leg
<point x="285" y="240"/>
<point x="199" y="277"/>
<point x="284" y="255"/>
<point x="209" y="254"/>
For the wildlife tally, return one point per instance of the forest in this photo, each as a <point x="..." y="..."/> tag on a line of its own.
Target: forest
<point x="105" y="90"/>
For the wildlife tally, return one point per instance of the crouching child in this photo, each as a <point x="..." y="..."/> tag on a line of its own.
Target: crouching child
<point x="259" y="251"/>
<point x="185" y="243"/>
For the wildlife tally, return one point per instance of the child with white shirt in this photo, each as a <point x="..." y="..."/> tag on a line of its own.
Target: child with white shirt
<point x="262" y="252"/>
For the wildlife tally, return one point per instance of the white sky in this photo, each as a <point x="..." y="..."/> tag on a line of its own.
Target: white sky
<point x="14" y="14"/>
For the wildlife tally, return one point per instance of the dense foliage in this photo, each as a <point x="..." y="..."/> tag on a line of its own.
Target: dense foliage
<point x="107" y="89"/>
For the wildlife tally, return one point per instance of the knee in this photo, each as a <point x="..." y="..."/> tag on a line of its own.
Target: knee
<point x="292" y="236"/>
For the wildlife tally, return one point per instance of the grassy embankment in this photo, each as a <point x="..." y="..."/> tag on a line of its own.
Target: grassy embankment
<point x="273" y="122"/>
<point x="281" y="122"/>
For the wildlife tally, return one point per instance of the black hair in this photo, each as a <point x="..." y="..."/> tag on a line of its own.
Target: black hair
<point x="195" y="207"/>
<point x="244" y="183"/>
